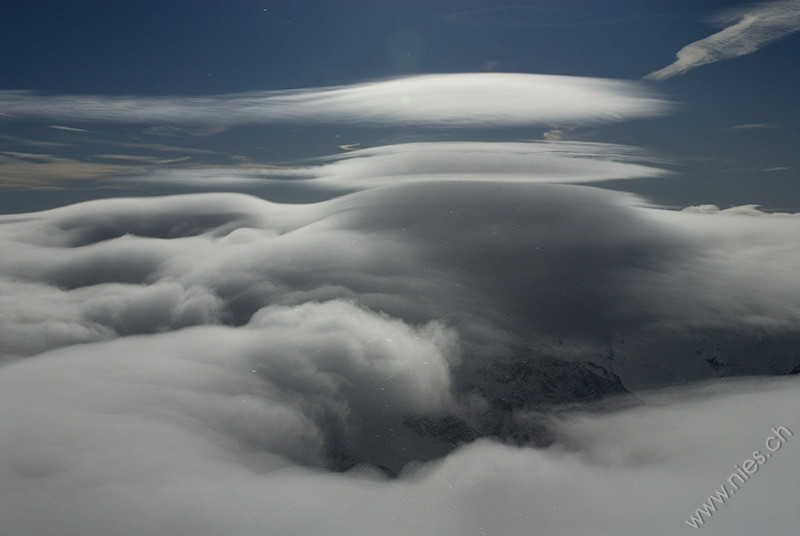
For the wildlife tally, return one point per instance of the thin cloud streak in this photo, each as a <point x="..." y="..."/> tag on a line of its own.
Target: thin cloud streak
<point x="749" y="29"/>
<point x="499" y="99"/>
<point x="752" y="126"/>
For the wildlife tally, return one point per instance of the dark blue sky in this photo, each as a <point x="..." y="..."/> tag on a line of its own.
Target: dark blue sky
<point x="196" y="47"/>
<point x="187" y="48"/>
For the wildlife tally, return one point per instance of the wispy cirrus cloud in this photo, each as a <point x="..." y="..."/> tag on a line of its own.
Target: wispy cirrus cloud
<point x="500" y="99"/>
<point x="747" y="29"/>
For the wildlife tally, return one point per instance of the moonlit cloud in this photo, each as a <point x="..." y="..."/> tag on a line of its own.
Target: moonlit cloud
<point x="747" y="30"/>
<point x="374" y="167"/>
<point x="488" y="100"/>
<point x="499" y="99"/>
<point x="522" y="261"/>
<point x="520" y="162"/>
<point x="178" y="431"/>
<point x="461" y="338"/>
<point x="218" y="362"/>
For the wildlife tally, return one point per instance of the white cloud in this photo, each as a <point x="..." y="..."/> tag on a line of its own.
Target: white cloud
<point x="748" y="30"/>
<point x="175" y="431"/>
<point x="482" y="161"/>
<point x="303" y="383"/>
<point x="504" y="262"/>
<point x="374" y="167"/>
<point x="199" y="363"/>
<point x="439" y="100"/>
<point x="37" y="317"/>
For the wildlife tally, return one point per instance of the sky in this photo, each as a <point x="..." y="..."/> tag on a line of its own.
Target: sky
<point x="729" y="139"/>
<point x="399" y="267"/>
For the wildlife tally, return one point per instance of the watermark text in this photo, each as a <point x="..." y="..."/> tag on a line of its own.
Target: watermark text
<point x="743" y="472"/>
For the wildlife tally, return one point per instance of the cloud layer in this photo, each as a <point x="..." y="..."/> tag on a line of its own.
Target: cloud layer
<point x="486" y="99"/>
<point x="375" y="167"/>
<point x="747" y="30"/>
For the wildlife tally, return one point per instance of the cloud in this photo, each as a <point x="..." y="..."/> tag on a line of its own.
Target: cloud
<point x="484" y="161"/>
<point x="174" y="132"/>
<point x="423" y="352"/>
<point x="748" y="30"/>
<point x="375" y="167"/>
<point x="228" y="425"/>
<point x="40" y="317"/>
<point x="506" y="262"/>
<point x="178" y="431"/>
<point x="460" y="338"/>
<point x="68" y="129"/>
<point x="499" y="99"/>
<point x="554" y="134"/>
<point x="312" y="383"/>
<point x="141" y="159"/>
<point x="752" y="126"/>
<point x="488" y="100"/>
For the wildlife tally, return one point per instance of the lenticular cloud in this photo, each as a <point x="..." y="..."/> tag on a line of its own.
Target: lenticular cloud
<point x="376" y="167"/>
<point x="485" y="99"/>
